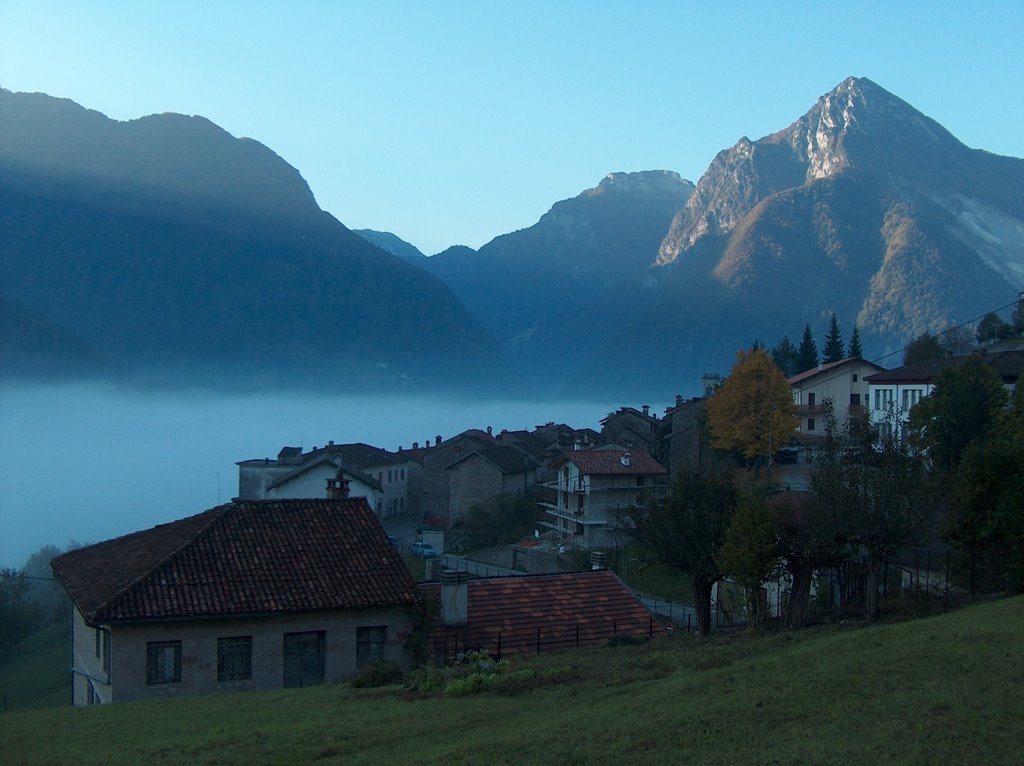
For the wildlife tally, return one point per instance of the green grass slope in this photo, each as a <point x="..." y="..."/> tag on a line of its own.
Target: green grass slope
<point x="945" y="689"/>
<point x="34" y="672"/>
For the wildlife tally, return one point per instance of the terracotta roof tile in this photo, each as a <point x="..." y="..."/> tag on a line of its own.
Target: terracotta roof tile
<point x="571" y="609"/>
<point x="607" y="462"/>
<point x="246" y="557"/>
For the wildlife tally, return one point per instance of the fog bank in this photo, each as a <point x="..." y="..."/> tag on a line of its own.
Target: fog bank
<point x="87" y="463"/>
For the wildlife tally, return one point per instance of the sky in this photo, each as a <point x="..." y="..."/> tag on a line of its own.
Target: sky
<point x="454" y="122"/>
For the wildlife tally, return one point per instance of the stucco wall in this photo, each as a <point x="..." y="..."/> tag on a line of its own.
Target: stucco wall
<point x="86" y="665"/>
<point x="199" y="650"/>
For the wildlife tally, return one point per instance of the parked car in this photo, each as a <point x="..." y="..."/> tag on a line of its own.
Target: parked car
<point x="424" y="550"/>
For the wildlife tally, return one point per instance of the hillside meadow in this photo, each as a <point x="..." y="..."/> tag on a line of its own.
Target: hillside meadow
<point x="941" y="689"/>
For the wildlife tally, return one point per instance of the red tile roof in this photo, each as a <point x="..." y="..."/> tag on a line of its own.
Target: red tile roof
<point x="244" y="558"/>
<point x="571" y="609"/>
<point x="814" y="371"/>
<point x="607" y="462"/>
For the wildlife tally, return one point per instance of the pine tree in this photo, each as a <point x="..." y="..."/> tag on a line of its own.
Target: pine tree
<point x="855" y="352"/>
<point x="785" y="357"/>
<point x="834" y="342"/>
<point x="807" y="355"/>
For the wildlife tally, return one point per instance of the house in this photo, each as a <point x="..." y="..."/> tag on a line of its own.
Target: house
<point x="436" y="499"/>
<point x="254" y="594"/>
<point x="390" y="481"/>
<point x="487" y="473"/>
<point x="531" y="613"/>
<point x="893" y="393"/>
<point x="631" y="428"/>
<point x="843" y="382"/>
<point x="594" y="489"/>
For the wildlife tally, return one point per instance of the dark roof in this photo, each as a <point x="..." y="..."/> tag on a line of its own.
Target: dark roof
<point x="608" y="462"/>
<point x="515" y="608"/>
<point x="331" y="461"/>
<point x="1009" y="365"/>
<point x="814" y="371"/>
<point x="244" y="558"/>
<point x="508" y="460"/>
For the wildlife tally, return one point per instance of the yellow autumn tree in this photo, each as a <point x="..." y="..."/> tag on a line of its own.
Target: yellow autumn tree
<point x="752" y="412"/>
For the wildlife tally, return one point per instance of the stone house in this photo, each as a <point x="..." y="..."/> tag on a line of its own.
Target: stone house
<point x="629" y="428"/>
<point x="593" y="490"/>
<point x="487" y="473"/>
<point x="436" y="494"/>
<point x="254" y="594"/>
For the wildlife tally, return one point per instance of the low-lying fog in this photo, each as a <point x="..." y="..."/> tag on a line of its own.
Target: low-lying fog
<point x="86" y="463"/>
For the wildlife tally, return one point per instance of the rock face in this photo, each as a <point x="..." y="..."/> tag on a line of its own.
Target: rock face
<point x="177" y="251"/>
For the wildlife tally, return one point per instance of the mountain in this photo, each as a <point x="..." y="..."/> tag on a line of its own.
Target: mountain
<point x="523" y="286"/>
<point x="391" y="243"/>
<point x="178" y="251"/>
<point x="862" y="207"/>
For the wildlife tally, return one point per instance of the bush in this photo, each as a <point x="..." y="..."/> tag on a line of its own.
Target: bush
<point x="380" y="673"/>
<point x="626" y="639"/>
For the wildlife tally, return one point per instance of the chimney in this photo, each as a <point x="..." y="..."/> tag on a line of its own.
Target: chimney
<point x="415" y="445"/>
<point x="489" y="431"/>
<point x="647" y="409"/>
<point x="437" y="440"/>
<point x="679" y="400"/>
<point x="598" y="560"/>
<point x="337" y="488"/>
<point x="454" y="597"/>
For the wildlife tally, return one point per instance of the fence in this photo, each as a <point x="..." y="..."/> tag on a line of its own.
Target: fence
<point x="453" y="646"/>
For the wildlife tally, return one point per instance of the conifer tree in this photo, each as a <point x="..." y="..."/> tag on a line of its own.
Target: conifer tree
<point x="785" y="357"/>
<point x="834" y="342"/>
<point x="855" y="351"/>
<point x="807" y="354"/>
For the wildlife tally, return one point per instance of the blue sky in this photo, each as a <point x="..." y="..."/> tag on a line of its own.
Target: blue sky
<point x="454" y="122"/>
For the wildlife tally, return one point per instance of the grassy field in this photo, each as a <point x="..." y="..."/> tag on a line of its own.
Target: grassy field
<point x="945" y="689"/>
<point x="34" y="673"/>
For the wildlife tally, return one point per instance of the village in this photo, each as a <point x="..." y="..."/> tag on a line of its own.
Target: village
<point x="304" y="577"/>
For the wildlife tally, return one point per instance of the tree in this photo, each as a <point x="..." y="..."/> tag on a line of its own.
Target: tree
<point x="855" y="351"/>
<point x="685" y="531"/>
<point x="1017" y="321"/>
<point x="47" y="592"/>
<point x="962" y="410"/>
<point x="807" y="355"/>
<point x="748" y="554"/>
<point x="884" y="497"/>
<point x="922" y="348"/>
<point x="992" y="328"/>
<point x="834" y="342"/>
<point x="19" y="615"/>
<point x="958" y="341"/>
<point x="752" y="412"/>
<point x="984" y="521"/>
<point x="785" y="357"/>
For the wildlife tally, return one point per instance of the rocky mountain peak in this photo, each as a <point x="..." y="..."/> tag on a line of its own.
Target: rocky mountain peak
<point x="857" y="126"/>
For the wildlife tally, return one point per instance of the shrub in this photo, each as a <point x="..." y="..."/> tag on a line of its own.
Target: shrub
<point x="380" y="673"/>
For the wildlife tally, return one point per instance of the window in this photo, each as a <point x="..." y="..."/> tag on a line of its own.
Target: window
<point x="234" y="658"/>
<point x="103" y="648"/>
<point x="810" y="424"/>
<point x="854" y="377"/>
<point x="403" y="474"/>
<point x="911" y="396"/>
<point x="371" y="644"/>
<point x="854" y="400"/>
<point x="163" y="662"/>
<point x="883" y="398"/>
<point x="810" y="399"/>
